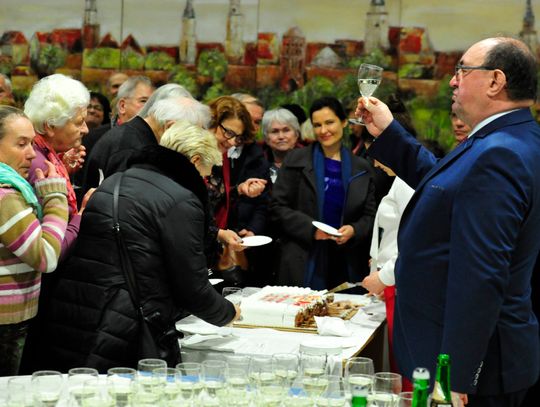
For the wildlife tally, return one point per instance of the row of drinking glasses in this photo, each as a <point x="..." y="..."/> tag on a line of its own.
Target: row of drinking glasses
<point x="283" y="379"/>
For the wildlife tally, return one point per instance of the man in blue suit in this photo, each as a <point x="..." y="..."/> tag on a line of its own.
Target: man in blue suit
<point x="470" y="235"/>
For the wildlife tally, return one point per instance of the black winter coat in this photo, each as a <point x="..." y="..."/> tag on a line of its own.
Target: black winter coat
<point x="92" y="320"/>
<point x="294" y="206"/>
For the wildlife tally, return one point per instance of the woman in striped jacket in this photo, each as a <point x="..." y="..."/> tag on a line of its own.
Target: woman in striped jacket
<point x="32" y="227"/>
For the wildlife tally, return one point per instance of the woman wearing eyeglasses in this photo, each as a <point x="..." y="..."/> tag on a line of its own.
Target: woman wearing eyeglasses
<point x="236" y="189"/>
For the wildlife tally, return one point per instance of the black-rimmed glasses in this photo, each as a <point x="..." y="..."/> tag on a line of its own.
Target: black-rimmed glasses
<point x="228" y="133"/>
<point x="460" y="69"/>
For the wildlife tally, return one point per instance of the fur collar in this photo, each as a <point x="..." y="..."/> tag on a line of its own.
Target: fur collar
<point x="173" y="165"/>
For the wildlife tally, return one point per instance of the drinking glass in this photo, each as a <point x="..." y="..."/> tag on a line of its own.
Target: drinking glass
<point x="260" y="370"/>
<point x="188" y="378"/>
<point x="146" y="380"/>
<point x="359" y="385"/>
<point x="19" y="392"/>
<point x="405" y="399"/>
<point x="238" y="388"/>
<point x="233" y="294"/>
<point x="214" y="374"/>
<point x="387" y="382"/>
<point x="285" y="365"/>
<point x="381" y="399"/>
<point x="47" y="386"/>
<point x="334" y="395"/>
<point x="312" y="365"/>
<point x="238" y="362"/>
<point x="77" y="377"/>
<point x="369" y="78"/>
<point x="120" y="383"/>
<point x="168" y="387"/>
<point x="359" y="365"/>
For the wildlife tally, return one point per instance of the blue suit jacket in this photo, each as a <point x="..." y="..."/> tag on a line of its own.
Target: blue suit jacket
<point x="468" y="241"/>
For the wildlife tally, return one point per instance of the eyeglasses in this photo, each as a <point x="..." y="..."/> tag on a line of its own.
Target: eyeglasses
<point x="460" y="69"/>
<point x="229" y="134"/>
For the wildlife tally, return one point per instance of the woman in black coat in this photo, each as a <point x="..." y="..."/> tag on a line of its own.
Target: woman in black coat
<point x="323" y="182"/>
<point x="163" y="217"/>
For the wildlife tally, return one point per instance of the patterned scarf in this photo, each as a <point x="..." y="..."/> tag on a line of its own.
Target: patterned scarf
<point x="52" y="156"/>
<point x="11" y="177"/>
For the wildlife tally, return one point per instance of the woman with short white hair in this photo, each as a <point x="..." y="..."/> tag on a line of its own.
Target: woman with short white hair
<point x="163" y="217"/>
<point x="57" y="107"/>
<point x="281" y="134"/>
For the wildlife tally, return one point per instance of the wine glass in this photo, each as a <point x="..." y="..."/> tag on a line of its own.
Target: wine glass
<point x="47" y="386"/>
<point x="359" y="386"/>
<point x="188" y="378"/>
<point x="76" y="384"/>
<point x="19" y="392"/>
<point x="285" y="365"/>
<point x="335" y="393"/>
<point x="120" y="382"/>
<point x="214" y="374"/>
<point x="369" y="78"/>
<point x="359" y="365"/>
<point x="387" y="382"/>
<point x="405" y="399"/>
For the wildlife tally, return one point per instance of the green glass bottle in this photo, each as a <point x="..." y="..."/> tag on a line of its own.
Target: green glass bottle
<point x="420" y="387"/>
<point x="442" y="395"/>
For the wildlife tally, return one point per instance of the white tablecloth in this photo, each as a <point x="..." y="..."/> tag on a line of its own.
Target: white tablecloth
<point x="202" y="339"/>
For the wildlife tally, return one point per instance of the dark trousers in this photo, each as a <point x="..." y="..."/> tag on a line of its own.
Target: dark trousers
<point x="504" y="400"/>
<point x="12" y="338"/>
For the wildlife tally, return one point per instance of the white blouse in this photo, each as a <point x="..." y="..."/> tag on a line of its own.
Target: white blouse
<point x="384" y="254"/>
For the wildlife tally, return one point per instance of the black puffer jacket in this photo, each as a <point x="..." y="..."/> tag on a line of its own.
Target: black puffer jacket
<point x="91" y="318"/>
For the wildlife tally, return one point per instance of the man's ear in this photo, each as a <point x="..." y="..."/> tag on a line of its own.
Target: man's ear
<point x="195" y="160"/>
<point x="121" y="105"/>
<point x="168" y="124"/>
<point x="498" y="83"/>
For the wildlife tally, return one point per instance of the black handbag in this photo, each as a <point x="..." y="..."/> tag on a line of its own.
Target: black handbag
<point x="155" y="341"/>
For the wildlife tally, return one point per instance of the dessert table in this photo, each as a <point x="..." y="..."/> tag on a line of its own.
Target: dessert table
<point x="367" y="331"/>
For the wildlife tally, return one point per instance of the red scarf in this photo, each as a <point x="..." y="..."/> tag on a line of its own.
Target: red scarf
<point x="222" y="213"/>
<point x="52" y="156"/>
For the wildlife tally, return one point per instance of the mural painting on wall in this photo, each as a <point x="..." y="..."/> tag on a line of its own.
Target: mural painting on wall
<point x="279" y="68"/>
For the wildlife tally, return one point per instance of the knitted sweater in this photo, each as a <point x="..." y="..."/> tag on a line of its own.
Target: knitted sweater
<point x="28" y="248"/>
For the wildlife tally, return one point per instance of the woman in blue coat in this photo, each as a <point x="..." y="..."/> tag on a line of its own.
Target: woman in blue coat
<point x="323" y="182"/>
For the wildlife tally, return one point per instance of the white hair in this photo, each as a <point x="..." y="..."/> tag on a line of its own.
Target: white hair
<point x="191" y="140"/>
<point x="282" y="116"/>
<point x="167" y="91"/>
<point x="55" y="100"/>
<point x="180" y="108"/>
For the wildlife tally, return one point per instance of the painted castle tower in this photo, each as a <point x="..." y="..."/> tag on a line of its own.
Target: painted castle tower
<point x="90" y="31"/>
<point x="188" y="41"/>
<point x="293" y="59"/>
<point x="376" y="27"/>
<point x="528" y="33"/>
<point x="234" y="44"/>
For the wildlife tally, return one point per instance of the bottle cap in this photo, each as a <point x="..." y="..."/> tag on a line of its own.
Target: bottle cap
<point x="421" y="373"/>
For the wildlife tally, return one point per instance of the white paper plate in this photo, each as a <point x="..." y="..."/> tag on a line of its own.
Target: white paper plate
<point x="252" y="241"/>
<point x="215" y="281"/>
<point x="326" y="228"/>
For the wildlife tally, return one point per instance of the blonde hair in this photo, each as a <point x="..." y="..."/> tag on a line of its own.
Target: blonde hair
<point x="190" y="140"/>
<point x="55" y="100"/>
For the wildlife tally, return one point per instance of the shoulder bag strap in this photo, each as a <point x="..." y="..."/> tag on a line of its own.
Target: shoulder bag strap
<point x="125" y="261"/>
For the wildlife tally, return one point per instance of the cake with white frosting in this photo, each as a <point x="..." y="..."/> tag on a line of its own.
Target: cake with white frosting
<point x="287" y="307"/>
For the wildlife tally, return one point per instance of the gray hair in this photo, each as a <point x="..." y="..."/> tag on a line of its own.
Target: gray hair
<point x="167" y="91"/>
<point x="191" y="140"/>
<point x="55" y="100"/>
<point x="7" y="81"/>
<point x="246" y="98"/>
<point x="127" y="89"/>
<point x="282" y="116"/>
<point x="180" y="108"/>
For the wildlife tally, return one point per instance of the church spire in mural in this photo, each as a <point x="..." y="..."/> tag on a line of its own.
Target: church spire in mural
<point x="234" y="44"/>
<point x="528" y="33"/>
<point x="376" y="26"/>
<point x="90" y="31"/>
<point x="188" y="41"/>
